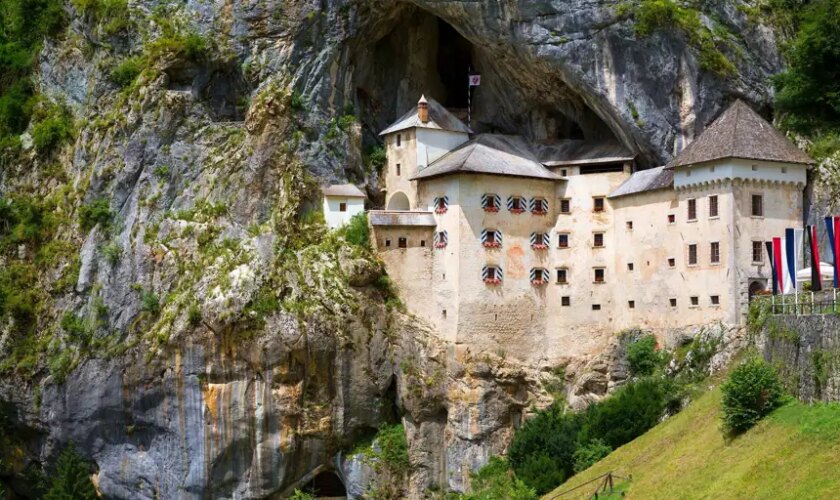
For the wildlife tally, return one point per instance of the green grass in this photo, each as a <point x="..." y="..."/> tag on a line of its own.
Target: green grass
<point x="793" y="453"/>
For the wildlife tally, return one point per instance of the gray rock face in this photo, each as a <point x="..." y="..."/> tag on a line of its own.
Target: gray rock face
<point x="243" y="350"/>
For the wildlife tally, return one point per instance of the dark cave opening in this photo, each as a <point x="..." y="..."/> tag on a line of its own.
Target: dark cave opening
<point x="325" y="484"/>
<point x="454" y="61"/>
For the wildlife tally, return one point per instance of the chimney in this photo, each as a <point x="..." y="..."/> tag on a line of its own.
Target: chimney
<point x="423" y="109"/>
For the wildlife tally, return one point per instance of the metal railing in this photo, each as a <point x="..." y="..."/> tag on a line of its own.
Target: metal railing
<point x="801" y="303"/>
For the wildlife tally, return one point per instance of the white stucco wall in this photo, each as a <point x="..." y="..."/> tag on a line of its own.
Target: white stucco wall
<point x="432" y="144"/>
<point x="739" y="169"/>
<point x="332" y="209"/>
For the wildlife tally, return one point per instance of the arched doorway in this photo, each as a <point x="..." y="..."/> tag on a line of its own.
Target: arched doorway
<point x="756" y="287"/>
<point x="398" y="201"/>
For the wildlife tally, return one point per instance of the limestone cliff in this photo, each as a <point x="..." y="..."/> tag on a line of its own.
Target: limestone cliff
<point x="191" y="327"/>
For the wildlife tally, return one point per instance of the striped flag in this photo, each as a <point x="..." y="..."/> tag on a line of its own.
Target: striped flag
<point x="769" y="245"/>
<point x="793" y="256"/>
<point x="832" y="224"/>
<point x="813" y="244"/>
<point x="777" y="260"/>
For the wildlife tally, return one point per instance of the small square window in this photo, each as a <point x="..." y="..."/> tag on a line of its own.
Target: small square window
<point x="443" y="313"/>
<point x="629" y="266"/>
<point x="387" y="243"/>
<point x="715" y="300"/>
<point x="565" y="206"/>
<point x="565" y="301"/>
<point x="755" y="168"/>
<point x="564" y="172"/>
<point x="399" y="140"/>
<point x="422" y="243"/>
<point x="402" y="242"/>
<point x="562" y="276"/>
<point x="599" y="275"/>
<point x="563" y="240"/>
<point x="757" y="205"/>
<point x="629" y="225"/>
<point x="598" y="204"/>
<point x="672" y="219"/>
<point x="673" y="302"/>
<point x="692" y="209"/>
<point x="757" y="252"/>
<point x="631" y="304"/>
<point x="342" y="207"/>
<point x="695" y="301"/>
<point x="672" y="262"/>
<point x="692" y="254"/>
<point x="398" y="169"/>
<point x="598" y="240"/>
<point x="784" y="170"/>
<point x="596" y="307"/>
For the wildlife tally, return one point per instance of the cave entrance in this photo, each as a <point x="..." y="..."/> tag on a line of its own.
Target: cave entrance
<point x="454" y="60"/>
<point x="326" y="485"/>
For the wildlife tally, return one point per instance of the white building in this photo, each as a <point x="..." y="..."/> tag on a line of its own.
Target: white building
<point x="341" y="202"/>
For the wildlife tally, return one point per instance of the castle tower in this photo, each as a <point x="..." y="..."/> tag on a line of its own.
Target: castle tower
<point x="418" y="138"/>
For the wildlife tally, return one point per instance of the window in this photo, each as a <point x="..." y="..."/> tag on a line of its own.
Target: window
<point x="672" y="262"/>
<point x="539" y="241"/>
<point x="342" y="207"/>
<point x="757" y="205"/>
<point x="492" y="275"/>
<point x="672" y="218"/>
<point x="490" y="202"/>
<point x="443" y="313"/>
<point x="565" y="206"/>
<point x="629" y="225"/>
<point x="596" y="307"/>
<point x="565" y="301"/>
<point x="714" y="252"/>
<point x="516" y="204"/>
<point x="631" y="304"/>
<point x="422" y="243"/>
<point x="695" y="301"/>
<point x="598" y="204"/>
<point x="757" y="252"/>
<point x="564" y="172"/>
<point x="692" y="209"/>
<point x="441" y="204"/>
<point x="673" y="302"/>
<point x="562" y="276"/>
<point x="402" y="242"/>
<point x="713" y="206"/>
<point x="629" y="266"/>
<point x="539" y="276"/>
<point x="692" y="254"/>
<point x="598" y="240"/>
<point x="399" y="140"/>
<point x="755" y="168"/>
<point x="398" y="169"/>
<point x="599" y="275"/>
<point x="715" y="300"/>
<point x="491" y="238"/>
<point x="563" y="240"/>
<point x="784" y="170"/>
<point x="539" y="206"/>
<point x="387" y="243"/>
<point x="441" y="239"/>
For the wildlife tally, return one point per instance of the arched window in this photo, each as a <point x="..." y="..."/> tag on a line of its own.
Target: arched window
<point x="398" y="201"/>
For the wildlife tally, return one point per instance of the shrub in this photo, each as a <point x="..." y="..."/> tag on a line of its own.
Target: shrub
<point x="127" y="71"/>
<point x="112" y="253"/>
<point x="541" y="472"/>
<point x="301" y="495"/>
<point x="752" y="391"/>
<point x="76" y="328"/>
<point x="643" y="356"/>
<point x="95" y="212"/>
<point x="393" y="448"/>
<point x="356" y="231"/>
<point x="494" y="481"/>
<point x="375" y="160"/>
<point x="72" y="478"/>
<point x="150" y="303"/>
<point x="552" y="433"/>
<point x="296" y="101"/>
<point x="194" y="315"/>
<point x="53" y="130"/>
<point x="587" y="455"/>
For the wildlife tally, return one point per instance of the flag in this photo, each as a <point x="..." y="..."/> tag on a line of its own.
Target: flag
<point x="793" y="256"/>
<point x="813" y="244"/>
<point x="475" y="80"/>
<point x="777" y="260"/>
<point x="769" y="245"/>
<point x="832" y="225"/>
<point x="788" y="283"/>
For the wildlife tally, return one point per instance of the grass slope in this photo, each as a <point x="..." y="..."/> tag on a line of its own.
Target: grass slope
<point x="793" y="453"/>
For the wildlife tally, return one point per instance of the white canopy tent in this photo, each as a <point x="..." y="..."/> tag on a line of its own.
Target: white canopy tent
<point x="826" y="270"/>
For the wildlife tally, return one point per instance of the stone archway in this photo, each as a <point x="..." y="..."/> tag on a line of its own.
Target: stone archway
<point x="755" y="288"/>
<point x="399" y="201"/>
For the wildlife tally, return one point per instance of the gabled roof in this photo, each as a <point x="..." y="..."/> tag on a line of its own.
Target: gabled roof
<point x="439" y="118"/>
<point x="348" y="190"/>
<point x="645" y="180"/>
<point x="492" y="154"/>
<point x="579" y="152"/>
<point x="740" y="133"/>
<point x="401" y="218"/>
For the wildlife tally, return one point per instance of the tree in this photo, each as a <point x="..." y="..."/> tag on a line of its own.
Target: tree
<point x="752" y="391"/>
<point x="72" y="478"/>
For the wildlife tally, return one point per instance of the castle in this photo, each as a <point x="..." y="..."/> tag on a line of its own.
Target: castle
<point x="546" y="250"/>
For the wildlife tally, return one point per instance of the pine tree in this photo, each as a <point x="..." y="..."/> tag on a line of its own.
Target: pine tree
<point x="72" y="478"/>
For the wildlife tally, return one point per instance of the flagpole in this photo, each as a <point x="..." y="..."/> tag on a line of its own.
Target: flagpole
<point x="469" y="97"/>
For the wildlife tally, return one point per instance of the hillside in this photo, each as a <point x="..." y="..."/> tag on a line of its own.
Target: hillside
<point x="791" y="454"/>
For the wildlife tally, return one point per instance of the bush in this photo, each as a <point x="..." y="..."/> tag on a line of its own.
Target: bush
<point x="296" y="101"/>
<point x="112" y="253"/>
<point x="75" y="328"/>
<point x="587" y="455"/>
<point x="393" y="448"/>
<point x="53" y="130"/>
<point x="95" y="212"/>
<point x="643" y="356"/>
<point x="494" y="481"/>
<point x="752" y="391"/>
<point x="375" y="160"/>
<point x="541" y="472"/>
<point x="71" y="480"/>
<point x="150" y="303"/>
<point x="127" y="71"/>
<point x="356" y="231"/>
<point x="552" y="433"/>
<point x="301" y="495"/>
